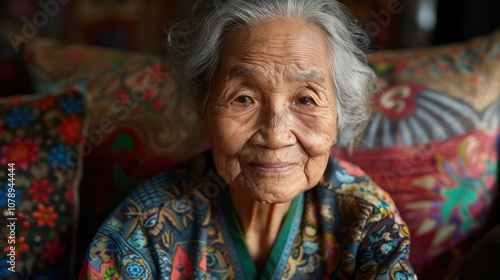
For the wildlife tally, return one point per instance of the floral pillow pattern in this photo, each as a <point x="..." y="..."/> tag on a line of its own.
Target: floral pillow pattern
<point x="139" y="126"/>
<point x="40" y="172"/>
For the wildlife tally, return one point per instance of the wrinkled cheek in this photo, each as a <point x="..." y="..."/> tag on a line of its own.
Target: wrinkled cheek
<point x="317" y="135"/>
<point x="318" y="145"/>
<point x="221" y="142"/>
<point x="318" y="148"/>
<point x="314" y="170"/>
<point x="246" y="180"/>
<point x="225" y="163"/>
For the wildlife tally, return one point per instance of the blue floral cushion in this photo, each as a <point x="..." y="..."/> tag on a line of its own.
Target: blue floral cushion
<point x="40" y="171"/>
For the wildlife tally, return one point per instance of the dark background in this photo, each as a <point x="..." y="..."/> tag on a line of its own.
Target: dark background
<point x="470" y="19"/>
<point x="138" y="25"/>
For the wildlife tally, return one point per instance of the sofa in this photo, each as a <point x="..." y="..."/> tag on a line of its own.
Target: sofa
<point x="106" y="120"/>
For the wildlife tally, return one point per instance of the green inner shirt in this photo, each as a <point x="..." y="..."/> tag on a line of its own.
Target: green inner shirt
<point x="245" y="259"/>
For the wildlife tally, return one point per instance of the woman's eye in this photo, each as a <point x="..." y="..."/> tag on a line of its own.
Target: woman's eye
<point x="305" y="100"/>
<point x="243" y="99"/>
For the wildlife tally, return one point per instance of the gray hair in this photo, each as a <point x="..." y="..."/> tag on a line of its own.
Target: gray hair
<point x="193" y="49"/>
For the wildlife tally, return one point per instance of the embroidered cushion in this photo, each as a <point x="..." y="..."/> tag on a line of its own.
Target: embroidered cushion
<point x="41" y="168"/>
<point x="431" y="145"/>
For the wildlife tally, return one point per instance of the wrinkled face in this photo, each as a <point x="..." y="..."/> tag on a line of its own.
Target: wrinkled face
<point x="271" y="113"/>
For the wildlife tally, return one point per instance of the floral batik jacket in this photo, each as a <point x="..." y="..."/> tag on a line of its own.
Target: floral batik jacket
<point x="182" y="225"/>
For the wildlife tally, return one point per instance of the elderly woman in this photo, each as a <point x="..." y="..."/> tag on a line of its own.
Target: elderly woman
<point x="274" y="81"/>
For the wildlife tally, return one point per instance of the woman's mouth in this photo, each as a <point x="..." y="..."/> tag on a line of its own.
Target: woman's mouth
<point x="273" y="167"/>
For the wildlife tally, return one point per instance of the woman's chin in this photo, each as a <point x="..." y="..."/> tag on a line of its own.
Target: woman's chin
<point x="273" y="194"/>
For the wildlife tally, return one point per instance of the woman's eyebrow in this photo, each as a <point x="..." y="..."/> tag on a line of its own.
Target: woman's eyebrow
<point x="239" y="71"/>
<point x="310" y="76"/>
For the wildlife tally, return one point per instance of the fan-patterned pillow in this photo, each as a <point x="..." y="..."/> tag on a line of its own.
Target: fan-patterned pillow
<point x="431" y="143"/>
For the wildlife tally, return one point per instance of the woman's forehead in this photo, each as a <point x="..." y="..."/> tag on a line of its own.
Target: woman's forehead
<point x="273" y="33"/>
<point x="307" y="74"/>
<point x="282" y="43"/>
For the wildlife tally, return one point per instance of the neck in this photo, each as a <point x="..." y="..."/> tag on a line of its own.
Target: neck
<point x="260" y="223"/>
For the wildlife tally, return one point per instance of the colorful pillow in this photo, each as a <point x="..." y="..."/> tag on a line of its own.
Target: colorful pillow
<point x="431" y="145"/>
<point x="139" y="125"/>
<point x="139" y="128"/>
<point x="40" y="172"/>
<point x="54" y="64"/>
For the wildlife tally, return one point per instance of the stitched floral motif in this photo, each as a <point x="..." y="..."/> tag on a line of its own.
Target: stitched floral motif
<point x="41" y="136"/>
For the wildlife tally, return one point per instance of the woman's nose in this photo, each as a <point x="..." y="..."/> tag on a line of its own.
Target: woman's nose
<point x="274" y="128"/>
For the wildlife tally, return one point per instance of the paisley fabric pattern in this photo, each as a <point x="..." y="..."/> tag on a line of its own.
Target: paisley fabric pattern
<point x="174" y="227"/>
